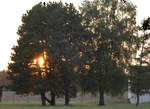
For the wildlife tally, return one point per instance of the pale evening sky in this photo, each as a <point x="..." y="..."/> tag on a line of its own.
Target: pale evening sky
<point x="10" y="18"/>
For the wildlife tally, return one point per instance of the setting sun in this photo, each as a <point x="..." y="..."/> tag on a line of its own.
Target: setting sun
<point x="40" y="61"/>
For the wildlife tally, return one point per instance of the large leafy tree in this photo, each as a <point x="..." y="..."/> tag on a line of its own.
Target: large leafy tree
<point x="114" y="25"/>
<point x="54" y="32"/>
<point x="32" y="45"/>
<point x="69" y="42"/>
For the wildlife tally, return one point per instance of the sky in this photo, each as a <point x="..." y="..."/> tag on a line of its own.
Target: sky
<point x="11" y="12"/>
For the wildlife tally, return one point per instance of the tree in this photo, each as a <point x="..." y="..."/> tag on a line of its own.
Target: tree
<point x="32" y="46"/>
<point x="139" y="81"/>
<point x="4" y="81"/>
<point x="138" y="76"/>
<point x="54" y="32"/>
<point x="69" y="41"/>
<point x="114" y="26"/>
<point x="146" y="24"/>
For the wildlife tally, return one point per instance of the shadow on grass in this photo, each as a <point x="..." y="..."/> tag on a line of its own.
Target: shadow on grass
<point x="74" y="105"/>
<point x="59" y="104"/>
<point x="8" y="104"/>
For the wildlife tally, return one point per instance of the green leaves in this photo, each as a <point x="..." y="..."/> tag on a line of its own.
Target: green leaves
<point x="93" y="46"/>
<point x="139" y="74"/>
<point x="55" y="32"/>
<point x="114" y="27"/>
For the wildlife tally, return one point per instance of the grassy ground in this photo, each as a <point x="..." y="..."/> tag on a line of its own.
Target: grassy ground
<point x="74" y="106"/>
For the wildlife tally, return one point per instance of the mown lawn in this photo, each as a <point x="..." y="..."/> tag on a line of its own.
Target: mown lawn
<point x="74" y="106"/>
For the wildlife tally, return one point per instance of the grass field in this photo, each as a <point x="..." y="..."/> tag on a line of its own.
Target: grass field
<point x="74" y="106"/>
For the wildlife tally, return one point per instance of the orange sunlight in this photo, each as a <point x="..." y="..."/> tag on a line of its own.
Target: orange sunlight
<point x="40" y="61"/>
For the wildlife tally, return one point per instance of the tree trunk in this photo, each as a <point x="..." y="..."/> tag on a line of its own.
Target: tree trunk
<point x="138" y="99"/>
<point x="52" y="101"/>
<point x="1" y="91"/>
<point x="43" y="99"/>
<point x="46" y="99"/>
<point x="53" y="98"/>
<point x="67" y="92"/>
<point x="67" y="97"/>
<point x="101" y="97"/>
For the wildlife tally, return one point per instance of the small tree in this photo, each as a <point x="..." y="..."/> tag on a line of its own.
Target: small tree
<point x="139" y="81"/>
<point x="139" y="74"/>
<point x="4" y="81"/>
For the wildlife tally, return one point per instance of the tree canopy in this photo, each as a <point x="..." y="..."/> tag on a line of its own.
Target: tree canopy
<point x="60" y="48"/>
<point x="139" y="74"/>
<point x="52" y="31"/>
<point x="114" y="43"/>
